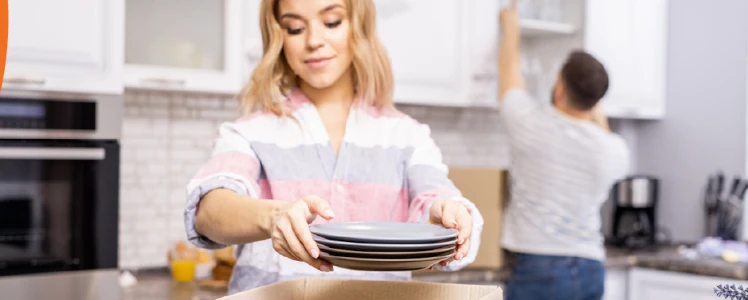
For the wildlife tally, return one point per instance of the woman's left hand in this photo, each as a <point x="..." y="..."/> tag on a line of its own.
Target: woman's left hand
<point x="452" y="214"/>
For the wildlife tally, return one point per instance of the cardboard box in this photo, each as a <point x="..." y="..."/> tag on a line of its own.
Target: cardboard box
<point x="318" y="288"/>
<point x="486" y="187"/>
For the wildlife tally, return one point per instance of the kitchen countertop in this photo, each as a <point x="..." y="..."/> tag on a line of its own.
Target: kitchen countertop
<point x="157" y="284"/>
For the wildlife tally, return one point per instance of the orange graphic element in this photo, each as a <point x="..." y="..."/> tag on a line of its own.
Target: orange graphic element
<point x="3" y="38"/>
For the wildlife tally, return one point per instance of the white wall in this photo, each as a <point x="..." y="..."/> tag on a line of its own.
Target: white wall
<point x="705" y="125"/>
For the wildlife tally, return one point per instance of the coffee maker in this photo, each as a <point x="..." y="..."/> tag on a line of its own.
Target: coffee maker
<point x="634" y="219"/>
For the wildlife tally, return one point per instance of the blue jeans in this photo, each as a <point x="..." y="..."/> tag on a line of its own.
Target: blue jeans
<point x="544" y="277"/>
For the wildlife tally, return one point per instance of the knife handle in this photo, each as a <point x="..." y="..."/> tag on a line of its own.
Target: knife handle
<point x="735" y="185"/>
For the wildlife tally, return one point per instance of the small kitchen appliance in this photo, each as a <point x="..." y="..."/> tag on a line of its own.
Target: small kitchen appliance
<point x="634" y="214"/>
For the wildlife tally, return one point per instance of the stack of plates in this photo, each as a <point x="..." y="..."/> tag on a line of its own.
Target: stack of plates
<point x="384" y="246"/>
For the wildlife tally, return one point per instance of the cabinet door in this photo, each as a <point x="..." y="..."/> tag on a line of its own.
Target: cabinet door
<point x="428" y="46"/>
<point x="615" y="284"/>
<point x="661" y="285"/>
<point x="65" y="46"/>
<point x="252" y="38"/>
<point x="185" y="45"/>
<point x="630" y="39"/>
<point x="484" y="37"/>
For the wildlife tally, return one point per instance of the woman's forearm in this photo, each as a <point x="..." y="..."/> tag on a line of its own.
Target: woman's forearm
<point x="229" y="218"/>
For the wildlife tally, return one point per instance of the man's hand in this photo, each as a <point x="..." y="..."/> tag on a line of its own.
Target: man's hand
<point x="599" y="118"/>
<point x="510" y="75"/>
<point x="452" y="214"/>
<point x="509" y="21"/>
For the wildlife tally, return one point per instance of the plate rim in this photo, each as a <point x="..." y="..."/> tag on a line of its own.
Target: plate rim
<point x="329" y="242"/>
<point x="314" y="228"/>
<point x="390" y="260"/>
<point x="385" y="253"/>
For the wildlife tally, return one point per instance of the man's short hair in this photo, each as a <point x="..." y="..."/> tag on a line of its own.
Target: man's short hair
<point x="585" y="80"/>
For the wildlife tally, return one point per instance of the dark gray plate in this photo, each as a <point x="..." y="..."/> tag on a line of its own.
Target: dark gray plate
<point x="384" y="232"/>
<point x="386" y="254"/>
<point x="380" y="246"/>
<point x="384" y="265"/>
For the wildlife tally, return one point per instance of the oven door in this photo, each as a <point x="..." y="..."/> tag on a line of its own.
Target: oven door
<point x="58" y="205"/>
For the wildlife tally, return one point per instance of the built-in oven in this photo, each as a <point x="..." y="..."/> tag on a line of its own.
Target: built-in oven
<point x="59" y="195"/>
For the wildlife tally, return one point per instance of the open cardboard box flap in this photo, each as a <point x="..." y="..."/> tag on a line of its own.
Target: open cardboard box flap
<point x="312" y="288"/>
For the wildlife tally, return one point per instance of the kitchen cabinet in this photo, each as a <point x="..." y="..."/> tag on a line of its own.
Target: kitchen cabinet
<point x="252" y="39"/>
<point x="65" y="46"/>
<point x="427" y="43"/>
<point x="616" y="284"/>
<point x="645" y="284"/>
<point x="453" y="63"/>
<point x="630" y="39"/>
<point x="184" y="45"/>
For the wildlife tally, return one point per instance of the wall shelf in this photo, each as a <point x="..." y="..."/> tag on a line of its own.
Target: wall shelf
<point x="540" y="28"/>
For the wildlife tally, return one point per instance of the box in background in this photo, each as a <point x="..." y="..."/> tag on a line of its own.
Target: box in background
<point x="486" y="187"/>
<point x="315" y="288"/>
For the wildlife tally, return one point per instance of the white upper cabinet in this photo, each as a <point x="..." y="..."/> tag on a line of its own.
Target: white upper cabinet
<point x="252" y="39"/>
<point x="630" y="39"/>
<point x="427" y="43"/>
<point x="444" y="53"/>
<point x="184" y="45"/>
<point x="65" y="46"/>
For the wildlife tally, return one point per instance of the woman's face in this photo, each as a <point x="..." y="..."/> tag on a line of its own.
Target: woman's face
<point x="316" y="37"/>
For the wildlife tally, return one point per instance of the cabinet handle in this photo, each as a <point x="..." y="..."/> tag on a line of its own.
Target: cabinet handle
<point x="21" y="80"/>
<point x="164" y="81"/>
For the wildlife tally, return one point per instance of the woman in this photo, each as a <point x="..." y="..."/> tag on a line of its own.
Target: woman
<point x="321" y="142"/>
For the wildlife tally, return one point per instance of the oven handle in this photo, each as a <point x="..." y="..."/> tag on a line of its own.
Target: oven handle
<point x="51" y="153"/>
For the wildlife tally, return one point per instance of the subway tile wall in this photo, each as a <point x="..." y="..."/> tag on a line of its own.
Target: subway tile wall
<point x="167" y="136"/>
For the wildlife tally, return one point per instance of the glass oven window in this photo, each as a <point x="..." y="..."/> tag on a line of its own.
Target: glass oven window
<point x="55" y="209"/>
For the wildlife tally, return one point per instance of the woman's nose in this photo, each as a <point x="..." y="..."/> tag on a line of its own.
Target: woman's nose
<point x="315" y="39"/>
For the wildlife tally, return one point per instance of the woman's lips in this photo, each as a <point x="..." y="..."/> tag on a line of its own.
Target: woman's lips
<point x="318" y="63"/>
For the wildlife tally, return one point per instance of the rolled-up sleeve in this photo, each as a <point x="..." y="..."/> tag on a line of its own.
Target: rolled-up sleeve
<point x="428" y="180"/>
<point x="233" y="166"/>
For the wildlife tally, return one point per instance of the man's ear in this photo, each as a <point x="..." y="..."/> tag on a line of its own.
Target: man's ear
<point x="559" y="93"/>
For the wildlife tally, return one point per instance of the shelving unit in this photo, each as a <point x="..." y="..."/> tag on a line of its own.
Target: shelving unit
<point x="540" y="28"/>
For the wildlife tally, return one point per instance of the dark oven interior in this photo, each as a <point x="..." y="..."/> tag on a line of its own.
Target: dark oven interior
<point x="58" y="205"/>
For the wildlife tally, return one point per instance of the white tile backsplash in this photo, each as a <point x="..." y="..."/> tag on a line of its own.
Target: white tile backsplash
<point x="167" y="136"/>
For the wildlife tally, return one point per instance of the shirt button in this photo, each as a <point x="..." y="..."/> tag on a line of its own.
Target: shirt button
<point x="339" y="187"/>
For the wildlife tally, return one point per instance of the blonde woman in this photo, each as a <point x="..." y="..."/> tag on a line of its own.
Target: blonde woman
<point x="320" y="142"/>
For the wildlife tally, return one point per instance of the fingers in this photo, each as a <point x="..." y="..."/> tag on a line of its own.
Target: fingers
<point x="299" y="240"/>
<point x="444" y="263"/>
<point x="464" y="224"/>
<point x="279" y="241"/>
<point x="462" y="250"/>
<point x="318" y="206"/>
<point x="281" y="249"/>
<point x="449" y="214"/>
<point x="304" y="236"/>
<point x="456" y="215"/>
<point x="514" y="4"/>
<point x="298" y="249"/>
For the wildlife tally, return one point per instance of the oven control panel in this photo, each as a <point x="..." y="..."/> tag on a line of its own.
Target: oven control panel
<point x="47" y="114"/>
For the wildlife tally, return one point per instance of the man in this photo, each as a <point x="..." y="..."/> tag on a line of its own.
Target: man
<point x="564" y="160"/>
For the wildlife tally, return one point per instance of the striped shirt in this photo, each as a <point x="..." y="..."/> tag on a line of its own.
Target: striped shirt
<point x="561" y="172"/>
<point x="388" y="169"/>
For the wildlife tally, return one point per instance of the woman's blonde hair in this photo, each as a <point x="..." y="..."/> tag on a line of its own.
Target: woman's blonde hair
<point x="273" y="77"/>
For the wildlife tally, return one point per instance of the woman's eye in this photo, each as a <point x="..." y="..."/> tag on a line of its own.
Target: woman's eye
<point x="333" y="24"/>
<point x="293" y="31"/>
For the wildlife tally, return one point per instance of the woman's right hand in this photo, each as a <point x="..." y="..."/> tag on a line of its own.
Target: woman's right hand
<point x="290" y="232"/>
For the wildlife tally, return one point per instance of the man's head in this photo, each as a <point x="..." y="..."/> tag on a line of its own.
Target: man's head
<point x="582" y="82"/>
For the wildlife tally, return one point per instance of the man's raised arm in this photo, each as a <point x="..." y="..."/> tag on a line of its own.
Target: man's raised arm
<point x="510" y="74"/>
